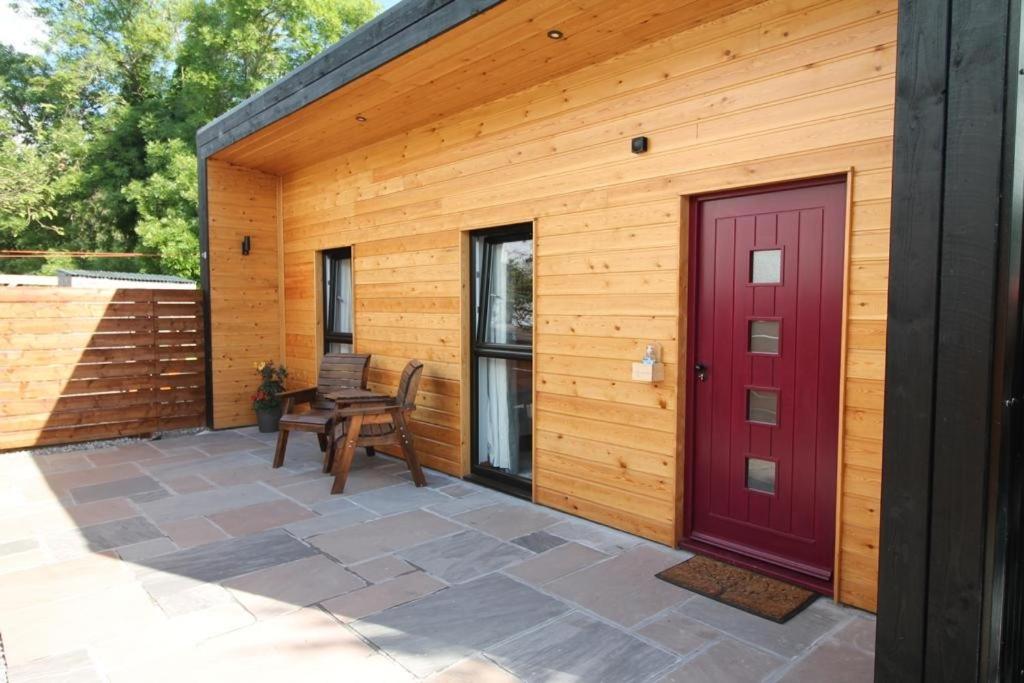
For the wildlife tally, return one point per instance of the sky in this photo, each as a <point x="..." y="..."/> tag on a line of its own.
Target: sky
<point x="20" y="30"/>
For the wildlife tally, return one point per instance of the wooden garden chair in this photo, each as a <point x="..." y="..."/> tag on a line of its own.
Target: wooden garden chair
<point x="337" y="371"/>
<point x="380" y="424"/>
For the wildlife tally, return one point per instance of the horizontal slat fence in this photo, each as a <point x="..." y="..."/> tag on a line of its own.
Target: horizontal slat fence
<point x="86" y="364"/>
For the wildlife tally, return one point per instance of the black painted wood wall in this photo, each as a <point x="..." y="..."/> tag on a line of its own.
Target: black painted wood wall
<point x="951" y="373"/>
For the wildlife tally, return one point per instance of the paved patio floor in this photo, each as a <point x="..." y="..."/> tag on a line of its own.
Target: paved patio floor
<point x="190" y="559"/>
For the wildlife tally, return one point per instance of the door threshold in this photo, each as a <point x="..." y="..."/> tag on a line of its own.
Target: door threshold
<point x="520" y="492"/>
<point x="774" y="571"/>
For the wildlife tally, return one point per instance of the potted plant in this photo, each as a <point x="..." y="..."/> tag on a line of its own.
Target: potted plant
<point x="265" y="401"/>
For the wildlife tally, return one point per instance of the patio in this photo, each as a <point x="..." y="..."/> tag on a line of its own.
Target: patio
<point x="189" y="558"/>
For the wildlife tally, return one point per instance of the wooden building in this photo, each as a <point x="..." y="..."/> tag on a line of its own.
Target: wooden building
<point x="527" y="195"/>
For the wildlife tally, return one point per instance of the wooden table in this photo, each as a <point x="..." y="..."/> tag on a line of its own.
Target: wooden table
<point x="347" y="397"/>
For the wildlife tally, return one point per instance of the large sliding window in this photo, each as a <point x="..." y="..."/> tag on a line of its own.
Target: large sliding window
<point x="502" y="355"/>
<point x="338" y="298"/>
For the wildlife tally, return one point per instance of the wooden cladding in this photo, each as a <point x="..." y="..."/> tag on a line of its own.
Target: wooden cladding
<point x="244" y="296"/>
<point x="86" y="364"/>
<point x="777" y="91"/>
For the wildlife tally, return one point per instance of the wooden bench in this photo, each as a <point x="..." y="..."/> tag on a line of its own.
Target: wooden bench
<point x="380" y="424"/>
<point x="337" y="371"/>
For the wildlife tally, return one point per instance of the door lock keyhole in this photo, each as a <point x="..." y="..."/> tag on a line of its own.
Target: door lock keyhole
<point x="701" y="371"/>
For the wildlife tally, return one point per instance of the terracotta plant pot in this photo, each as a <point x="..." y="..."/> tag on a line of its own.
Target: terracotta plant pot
<point x="267" y="418"/>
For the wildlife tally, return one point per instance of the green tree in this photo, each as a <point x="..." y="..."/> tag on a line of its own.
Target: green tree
<point x="231" y="49"/>
<point x="166" y="201"/>
<point x="97" y="136"/>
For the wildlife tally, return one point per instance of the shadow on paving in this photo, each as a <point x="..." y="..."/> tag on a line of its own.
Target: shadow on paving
<point x="191" y="557"/>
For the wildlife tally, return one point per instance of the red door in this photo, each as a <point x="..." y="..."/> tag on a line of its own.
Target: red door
<point x="766" y="341"/>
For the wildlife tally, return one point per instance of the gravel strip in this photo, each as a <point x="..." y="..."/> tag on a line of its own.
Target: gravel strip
<point x="105" y="443"/>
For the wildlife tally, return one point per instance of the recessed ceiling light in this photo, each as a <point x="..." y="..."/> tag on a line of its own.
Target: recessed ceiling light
<point x="555" y="34"/>
<point x="361" y="119"/>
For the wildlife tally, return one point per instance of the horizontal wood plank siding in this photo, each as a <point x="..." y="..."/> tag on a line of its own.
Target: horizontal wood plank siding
<point x="244" y="296"/>
<point x="86" y="364"/>
<point x="781" y="90"/>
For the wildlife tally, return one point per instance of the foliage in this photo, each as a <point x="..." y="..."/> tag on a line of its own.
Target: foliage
<point x="97" y="135"/>
<point x="166" y="202"/>
<point x="271" y="384"/>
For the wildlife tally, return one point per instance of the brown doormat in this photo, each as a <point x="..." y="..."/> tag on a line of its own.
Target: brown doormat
<point x="740" y="588"/>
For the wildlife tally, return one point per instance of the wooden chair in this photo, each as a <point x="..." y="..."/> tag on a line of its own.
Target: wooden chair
<point x="337" y="371"/>
<point x="379" y="424"/>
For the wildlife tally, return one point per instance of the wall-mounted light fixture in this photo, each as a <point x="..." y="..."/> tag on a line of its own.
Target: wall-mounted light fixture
<point x="361" y="119"/>
<point x="246" y="245"/>
<point x="555" y="34"/>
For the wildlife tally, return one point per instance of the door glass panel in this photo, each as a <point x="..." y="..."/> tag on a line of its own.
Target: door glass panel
<point x="764" y="336"/>
<point x="761" y="475"/>
<point x="763" y="406"/>
<point x="508" y="318"/>
<point x="766" y="267"/>
<point x="338" y="299"/>
<point x="504" y="429"/>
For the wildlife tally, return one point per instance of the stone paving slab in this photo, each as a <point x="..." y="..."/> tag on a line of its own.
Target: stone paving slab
<point x="208" y="502"/>
<point x="322" y="524"/>
<point x="109" y="535"/>
<point x="383" y="536"/>
<point x="581" y="648"/>
<point x="679" y="634"/>
<point x="727" y="660"/>
<point x="114" y="489"/>
<point x="281" y="588"/>
<point x="556" y="563"/>
<point x="387" y="582"/>
<point x="363" y="602"/>
<point x="464" y="556"/>
<point x="539" y="541"/>
<point x="260" y="517"/>
<point x="64" y="481"/>
<point x="637" y="594"/>
<point x="399" y="498"/>
<point x="432" y="633"/>
<point x="382" y="569"/>
<point x="474" y="670"/>
<point x="509" y="520"/>
<point x="787" y="640"/>
<point x="222" y="560"/>
<point x="193" y="531"/>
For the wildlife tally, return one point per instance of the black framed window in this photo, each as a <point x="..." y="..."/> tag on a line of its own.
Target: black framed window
<point x="338" y="298"/>
<point x="502" y="355"/>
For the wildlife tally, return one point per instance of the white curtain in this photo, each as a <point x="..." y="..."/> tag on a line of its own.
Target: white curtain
<point x="499" y="423"/>
<point x="498" y="410"/>
<point x="342" y="303"/>
<point x="343" y="298"/>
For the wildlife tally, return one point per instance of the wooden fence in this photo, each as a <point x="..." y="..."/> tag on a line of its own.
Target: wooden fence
<point x="86" y="364"/>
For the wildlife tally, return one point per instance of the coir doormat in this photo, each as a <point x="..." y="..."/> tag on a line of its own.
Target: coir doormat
<point x="766" y="597"/>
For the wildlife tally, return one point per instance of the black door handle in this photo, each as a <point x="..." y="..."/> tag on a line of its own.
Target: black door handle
<point x="702" y="371"/>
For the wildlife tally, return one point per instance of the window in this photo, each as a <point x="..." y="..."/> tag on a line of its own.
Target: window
<point x="762" y="406"/>
<point x="766" y="267"/>
<point x="760" y="475"/>
<point x="764" y="337"/>
<point x="338" y="298"/>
